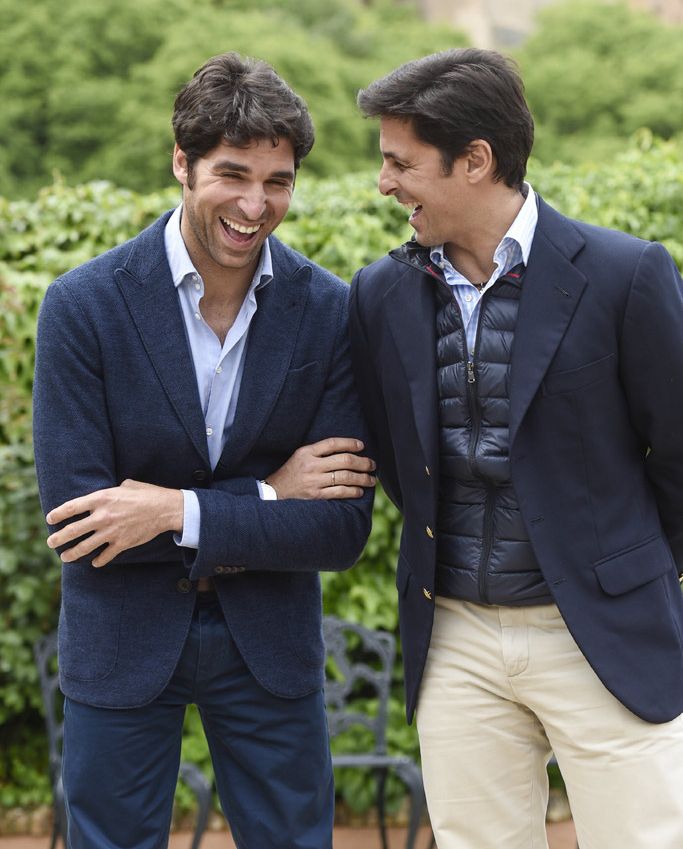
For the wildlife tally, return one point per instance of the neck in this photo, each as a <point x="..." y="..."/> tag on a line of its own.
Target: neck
<point x="472" y="252"/>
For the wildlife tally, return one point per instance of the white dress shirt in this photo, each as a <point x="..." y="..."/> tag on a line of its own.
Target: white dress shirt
<point x="512" y="249"/>
<point x="218" y="368"/>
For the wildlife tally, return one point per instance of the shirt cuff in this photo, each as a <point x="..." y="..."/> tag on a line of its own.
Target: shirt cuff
<point x="266" y="491"/>
<point x="191" y="521"/>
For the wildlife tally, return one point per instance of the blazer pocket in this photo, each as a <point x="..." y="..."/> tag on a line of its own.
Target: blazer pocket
<point x="90" y="621"/>
<point x="627" y="570"/>
<point x="570" y="380"/>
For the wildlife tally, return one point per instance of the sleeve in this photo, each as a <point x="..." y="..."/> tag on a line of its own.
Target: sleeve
<point x="371" y="395"/>
<point x="292" y="534"/>
<point x="652" y="373"/>
<point x="73" y="443"/>
<point x="72" y="435"/>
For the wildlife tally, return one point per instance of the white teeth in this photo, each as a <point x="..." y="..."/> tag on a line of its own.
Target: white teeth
<point x="239" y="227"/>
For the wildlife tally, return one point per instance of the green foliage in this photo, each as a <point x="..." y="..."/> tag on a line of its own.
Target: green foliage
<point x="340" y="223"/>
<point x="88" y="89"/>
<point x="596" y="72"/>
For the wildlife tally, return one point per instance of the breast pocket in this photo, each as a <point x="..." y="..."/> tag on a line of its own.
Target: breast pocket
<point x="572" y="380"/>
<point x="295" y="406"/>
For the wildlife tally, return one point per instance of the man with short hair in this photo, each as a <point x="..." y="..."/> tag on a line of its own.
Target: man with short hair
<point x="523" y="378"/>
<point x="177" y="378"/>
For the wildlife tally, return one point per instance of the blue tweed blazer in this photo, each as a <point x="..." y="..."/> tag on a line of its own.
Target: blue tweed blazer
<point x="116" y="398"/>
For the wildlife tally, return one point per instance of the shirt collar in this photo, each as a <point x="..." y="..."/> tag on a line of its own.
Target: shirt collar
<point x="521" y="231"/>
<point x="181" y="265"/>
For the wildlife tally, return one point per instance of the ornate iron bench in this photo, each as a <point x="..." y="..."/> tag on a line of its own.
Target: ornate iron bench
<point x="359" y="665"/>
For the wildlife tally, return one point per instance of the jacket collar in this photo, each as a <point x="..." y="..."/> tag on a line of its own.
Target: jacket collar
<point x="145" y="281"/>
<point x="551" y="291"/>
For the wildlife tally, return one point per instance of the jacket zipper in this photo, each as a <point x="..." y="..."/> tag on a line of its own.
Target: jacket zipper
<point x="490" y="503"/>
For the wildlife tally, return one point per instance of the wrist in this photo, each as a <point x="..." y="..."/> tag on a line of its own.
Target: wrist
<point x="174" y="510"/>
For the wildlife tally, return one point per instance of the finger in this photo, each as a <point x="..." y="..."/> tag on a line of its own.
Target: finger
<point x="344" y="477"/>
<point x="83" y="548"/>
<point x="71" y="532"/>
<point x="334" y="445"/>
<point x="331" y="492"/>
<point x="106" y="556"/>
<point x="71" y="508"/>
<point x="353" y="462"/>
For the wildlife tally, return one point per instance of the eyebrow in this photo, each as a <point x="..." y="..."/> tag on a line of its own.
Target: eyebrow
<point x="228" y="165"/>
<point x="389" y="154"/>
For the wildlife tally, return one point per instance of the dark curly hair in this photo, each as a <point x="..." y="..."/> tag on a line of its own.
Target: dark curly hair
<point x="239" y="100"/>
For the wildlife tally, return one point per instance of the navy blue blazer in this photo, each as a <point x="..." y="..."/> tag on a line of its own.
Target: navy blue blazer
<point x="116" y="397"/>
<point x="596" y="444"/>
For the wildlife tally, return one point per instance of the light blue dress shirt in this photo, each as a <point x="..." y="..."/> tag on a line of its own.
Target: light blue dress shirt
<point x="218" y="368"/>
<point x="512" y="249"/>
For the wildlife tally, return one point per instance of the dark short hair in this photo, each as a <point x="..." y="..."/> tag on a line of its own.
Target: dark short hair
<point x="239" y="100"/>
<point x="457" y="96"/>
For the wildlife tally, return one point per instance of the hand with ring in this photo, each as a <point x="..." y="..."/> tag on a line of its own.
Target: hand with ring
<point x="307" y="472"/>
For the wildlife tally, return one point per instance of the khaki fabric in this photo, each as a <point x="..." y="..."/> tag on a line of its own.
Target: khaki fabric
<point x="503" y="687"/>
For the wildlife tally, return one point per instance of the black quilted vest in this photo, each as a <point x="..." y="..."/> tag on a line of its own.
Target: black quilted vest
<point x="484" y="554"/>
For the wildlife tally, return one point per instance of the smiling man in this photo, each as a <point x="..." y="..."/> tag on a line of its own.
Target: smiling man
<point x="522" y="375"/>
<point x="189" y="385"/>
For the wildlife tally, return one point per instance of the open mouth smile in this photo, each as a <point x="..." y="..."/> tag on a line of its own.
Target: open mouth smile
<point x="414" y="207"/>
<point x="239" y="232"/>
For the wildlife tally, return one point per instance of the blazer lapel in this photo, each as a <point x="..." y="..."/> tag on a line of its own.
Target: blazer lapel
<point x="551" y="290"/>
<point x="147" y="287"/>
<point x="411" y="318"/>
<point x="273" y="335"/>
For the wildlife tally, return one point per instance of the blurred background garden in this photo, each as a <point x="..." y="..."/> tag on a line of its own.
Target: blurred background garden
<point x="86" y="93"/>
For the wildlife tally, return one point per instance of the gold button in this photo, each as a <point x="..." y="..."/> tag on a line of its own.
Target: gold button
<point x="427" y="594"/>
<point x="430" y="532"/>
<point x="428" y="473"/>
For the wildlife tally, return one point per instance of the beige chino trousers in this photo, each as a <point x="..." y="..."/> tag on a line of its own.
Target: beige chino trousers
<point x="502" y="688"/>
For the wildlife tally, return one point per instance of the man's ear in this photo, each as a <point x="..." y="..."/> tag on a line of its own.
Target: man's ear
<point x="180" y="166"/>
<point x="480" y="161"/>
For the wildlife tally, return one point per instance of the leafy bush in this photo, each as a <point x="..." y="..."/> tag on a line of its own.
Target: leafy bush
<point x="87" y="88"/>
<point x="595" y="72"/>
<point x="340" y="223"/>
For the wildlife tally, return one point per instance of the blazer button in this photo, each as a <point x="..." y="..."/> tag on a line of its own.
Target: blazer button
<point x="199" y="475"/>
<point x="218" y="570"/>
<point x="429" y="532"/>
<point x="184" y="585"/>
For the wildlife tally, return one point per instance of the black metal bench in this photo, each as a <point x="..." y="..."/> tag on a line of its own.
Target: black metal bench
<point x="362" y="660"/>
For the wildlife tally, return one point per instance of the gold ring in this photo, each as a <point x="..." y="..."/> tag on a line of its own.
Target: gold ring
<point x="333" y="479"/>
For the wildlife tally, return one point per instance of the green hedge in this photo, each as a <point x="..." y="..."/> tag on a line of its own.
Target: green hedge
<point x="339" y="223"/>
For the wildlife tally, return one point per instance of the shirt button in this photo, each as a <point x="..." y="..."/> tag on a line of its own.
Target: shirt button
<point x="468" y="298"/>
<point x="184" y="585"/>
<point x="197" y="286"/>
<point x="197" y="315"/>
<point x="219" y="369"/>
<point x="209" y="431"/>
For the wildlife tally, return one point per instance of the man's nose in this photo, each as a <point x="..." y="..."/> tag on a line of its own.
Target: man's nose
<point x="253" y="203"/>
<point x="385" y="183"/>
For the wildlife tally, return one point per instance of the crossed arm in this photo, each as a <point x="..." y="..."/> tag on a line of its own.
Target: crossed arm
<point x="122" y="517"/>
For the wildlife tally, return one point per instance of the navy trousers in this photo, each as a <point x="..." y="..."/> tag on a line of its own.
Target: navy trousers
<point x="270" y="755"/>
